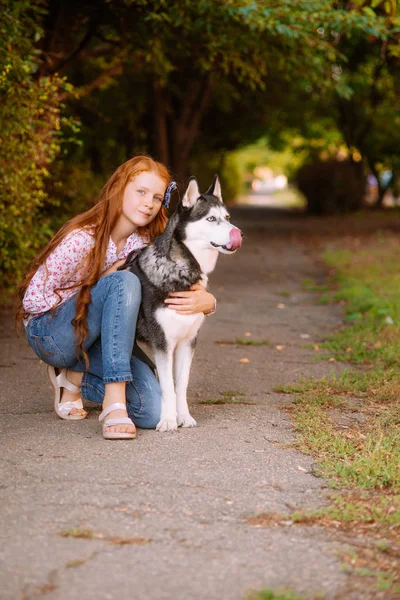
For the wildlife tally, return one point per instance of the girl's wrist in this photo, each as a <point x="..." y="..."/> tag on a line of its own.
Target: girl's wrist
<point x="212" y="310"/>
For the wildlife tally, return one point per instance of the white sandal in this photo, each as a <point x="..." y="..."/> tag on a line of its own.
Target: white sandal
<point x="116" y="435"/>
<point x="63" y="409"/>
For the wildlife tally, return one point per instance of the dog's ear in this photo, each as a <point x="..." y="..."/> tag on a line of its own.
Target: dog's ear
<point x="215" y="188"/>
<point x="192" y="193"/>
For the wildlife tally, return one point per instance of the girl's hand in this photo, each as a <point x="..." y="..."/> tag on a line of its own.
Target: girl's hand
<point x="195" y="300"/>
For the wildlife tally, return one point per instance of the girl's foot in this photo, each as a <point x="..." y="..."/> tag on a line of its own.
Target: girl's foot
<point x="68" y="396"/>
<point x="67" y="400"/>
<point x="117" y="425"/>
<point x="114" y="408"/>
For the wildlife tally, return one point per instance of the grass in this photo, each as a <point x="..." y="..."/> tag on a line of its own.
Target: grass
<point x="375" y="567"/>
<point x="243" y="342"/>
<point x="351" y="422"/>
<point x="311" y="286"/>
<point x="228" y="397"/>
<point x="362" y="451"/>
<point x="354" y="512"/>
<point x="274" y="595"/>
<point x="83" y="534"/>
<point x="367" y="283"/>
<point x="365" y="453"/>
<point x="89" y="534"/>
<point x="371" y="526"/>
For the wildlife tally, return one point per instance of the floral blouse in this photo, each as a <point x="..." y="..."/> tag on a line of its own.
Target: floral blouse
<point x="64" y="267"/>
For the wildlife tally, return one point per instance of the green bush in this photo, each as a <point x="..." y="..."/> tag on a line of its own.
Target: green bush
<point x="332" y="186"/>
<point x="31" y="121"/>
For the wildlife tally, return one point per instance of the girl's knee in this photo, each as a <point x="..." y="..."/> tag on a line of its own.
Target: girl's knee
<point x="129" y="281"/>
<point x="149" y="418"/>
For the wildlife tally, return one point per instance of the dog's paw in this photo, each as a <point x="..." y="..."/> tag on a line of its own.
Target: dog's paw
<point x="186" y="420"/>
<point x="167" y="425"/>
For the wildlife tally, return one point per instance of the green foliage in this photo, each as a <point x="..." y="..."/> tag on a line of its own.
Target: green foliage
<point x="275" y="595"/>
<point x="173" y="79"/>
<point x="29" y="138"/>
<point x="190" y="71"/>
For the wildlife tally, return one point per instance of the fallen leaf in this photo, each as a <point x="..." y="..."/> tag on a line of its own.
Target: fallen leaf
<point x="331" y="359"/>
<point x="281" y="305"/>
<point x="378" y="344"/>
<point x="244" y="360"/>
<point x="348" y="350"/>
<point x="125" y="541"/>
<point x="247" y="334"/>
<point x="77" y="562"/>
<point x="316" y="347"/>
<point x="280" y="347"/>
<point x="222" y="345"/>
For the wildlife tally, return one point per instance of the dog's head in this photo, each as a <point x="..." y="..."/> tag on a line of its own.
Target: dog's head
<point x="205" y="219"/>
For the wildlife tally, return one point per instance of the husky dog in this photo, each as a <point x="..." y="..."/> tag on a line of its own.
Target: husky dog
<point x="182" y="255"/>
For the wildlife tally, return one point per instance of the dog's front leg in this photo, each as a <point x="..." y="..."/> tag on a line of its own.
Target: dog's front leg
<point x="163" y="362"/>
<point x="182" y="363"/>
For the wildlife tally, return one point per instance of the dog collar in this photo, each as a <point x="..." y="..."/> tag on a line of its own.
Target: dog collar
<point x="167" y="196"/>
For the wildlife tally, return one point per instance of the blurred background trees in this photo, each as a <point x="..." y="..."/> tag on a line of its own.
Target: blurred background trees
<point x="227" y="86"/>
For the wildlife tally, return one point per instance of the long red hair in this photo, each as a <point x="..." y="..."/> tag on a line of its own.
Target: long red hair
<point x="102" y="219"/>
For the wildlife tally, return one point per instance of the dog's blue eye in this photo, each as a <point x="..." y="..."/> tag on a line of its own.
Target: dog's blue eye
<point x="211" y="219"/>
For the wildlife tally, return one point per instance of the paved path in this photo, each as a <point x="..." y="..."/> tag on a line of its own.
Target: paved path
<point x="169" y="511"/>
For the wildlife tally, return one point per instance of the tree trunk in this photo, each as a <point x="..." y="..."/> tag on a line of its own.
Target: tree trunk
<point x="382" y="189"/>
<point x="186" y="125"/>
<point x="160" y="131"/>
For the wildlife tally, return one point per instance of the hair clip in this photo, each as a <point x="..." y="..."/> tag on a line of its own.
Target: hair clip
<point x="167" y="196"/>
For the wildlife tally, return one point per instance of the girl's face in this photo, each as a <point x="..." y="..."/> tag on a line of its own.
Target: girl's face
<point x="142" y="200"/>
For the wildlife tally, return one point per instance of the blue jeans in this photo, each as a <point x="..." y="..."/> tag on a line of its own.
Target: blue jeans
<point x="111" y="323"/>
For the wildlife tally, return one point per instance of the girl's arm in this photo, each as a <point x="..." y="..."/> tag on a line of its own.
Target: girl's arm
<point x="196" y="300"/>
<point x="61" y="269"/>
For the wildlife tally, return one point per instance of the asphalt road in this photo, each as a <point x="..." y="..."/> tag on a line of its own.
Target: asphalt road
<point x="167" y="515"/>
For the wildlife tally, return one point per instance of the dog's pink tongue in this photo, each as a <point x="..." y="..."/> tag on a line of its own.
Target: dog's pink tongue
<point x="235" y="238"/>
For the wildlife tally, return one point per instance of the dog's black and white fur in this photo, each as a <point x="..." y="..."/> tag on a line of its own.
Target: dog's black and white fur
<point x="183" y="255"/>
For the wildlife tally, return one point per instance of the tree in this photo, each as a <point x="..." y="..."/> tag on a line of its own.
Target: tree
<point x="185" y="60"/>
<point x="369" y="117"/>
<point x="361" y="113"/>
<point x="29" y="136"/>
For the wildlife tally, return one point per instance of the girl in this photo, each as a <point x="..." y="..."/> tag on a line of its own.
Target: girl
<point x="80" y="313"/>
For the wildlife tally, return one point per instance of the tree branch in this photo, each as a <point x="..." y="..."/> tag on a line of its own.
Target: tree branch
<point x="87" y="89"/>
<point x="85" y="40"/>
